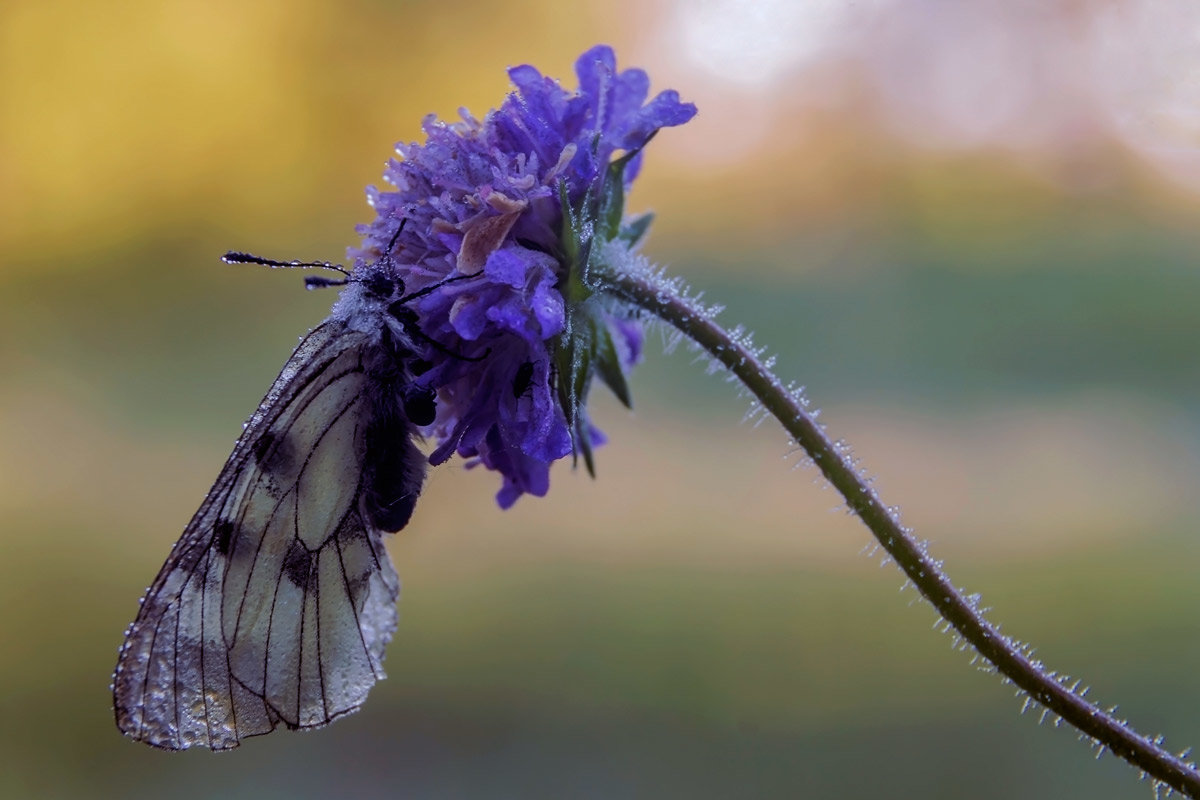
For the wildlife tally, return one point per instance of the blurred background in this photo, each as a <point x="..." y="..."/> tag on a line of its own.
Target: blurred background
<point x="970" y="229"/>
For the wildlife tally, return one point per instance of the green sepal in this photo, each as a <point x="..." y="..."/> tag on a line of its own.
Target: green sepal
<point x="586" y="346"/>
<point x="570" y="236"/>
<point x="576" y="249"/>
<point x="582" y="435"/>
<point x="612" y="197"/>
<point x="608" y="363"/>
<point x="572" y="359"/>
<point x="633" y="231"/>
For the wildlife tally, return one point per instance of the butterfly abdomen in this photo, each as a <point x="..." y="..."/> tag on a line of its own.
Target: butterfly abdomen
<point x="393" y="472"/>
<point x="393" y="466"/>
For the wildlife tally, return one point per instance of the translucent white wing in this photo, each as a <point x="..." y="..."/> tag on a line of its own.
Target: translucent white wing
<point x="279" y="599"/>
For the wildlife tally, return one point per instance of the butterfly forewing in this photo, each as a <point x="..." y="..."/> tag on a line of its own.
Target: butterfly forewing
<point x="277" y="602"/>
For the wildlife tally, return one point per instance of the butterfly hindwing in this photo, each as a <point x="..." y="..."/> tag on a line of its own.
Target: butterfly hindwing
<point x="277" y="602"/>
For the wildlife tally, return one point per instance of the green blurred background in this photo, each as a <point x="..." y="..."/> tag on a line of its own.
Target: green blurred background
<point x="970" y="229"/>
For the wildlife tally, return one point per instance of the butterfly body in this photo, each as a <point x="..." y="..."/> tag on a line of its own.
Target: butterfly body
<point x="276" y="604"/>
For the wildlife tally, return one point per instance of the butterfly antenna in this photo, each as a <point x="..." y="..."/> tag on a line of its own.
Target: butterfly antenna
<point x="395" y="236"/>
<point x="417" y="333"/>
<point x="430" y="289"/>
<point x="407" y="317"/>
<point x="310" y="282"/>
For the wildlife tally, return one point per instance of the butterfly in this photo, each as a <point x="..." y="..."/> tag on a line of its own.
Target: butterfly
<point x="276" y="604"/>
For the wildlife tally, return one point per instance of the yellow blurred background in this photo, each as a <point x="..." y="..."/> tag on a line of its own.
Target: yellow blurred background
<point x="969" y="229"/>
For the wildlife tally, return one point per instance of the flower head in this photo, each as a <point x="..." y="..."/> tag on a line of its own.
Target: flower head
<point x="511" y="208"/>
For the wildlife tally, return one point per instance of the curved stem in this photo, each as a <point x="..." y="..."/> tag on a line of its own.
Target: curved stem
<point x="663" y="299"/>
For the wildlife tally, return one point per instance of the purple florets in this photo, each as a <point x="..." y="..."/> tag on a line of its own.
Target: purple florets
<point x="517" y="201"/>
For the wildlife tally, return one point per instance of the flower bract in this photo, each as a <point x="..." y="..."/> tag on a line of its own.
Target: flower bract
<point x="512" y="208"/>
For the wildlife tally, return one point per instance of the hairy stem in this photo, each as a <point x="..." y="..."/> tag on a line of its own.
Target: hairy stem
<point x="662" y="298"/>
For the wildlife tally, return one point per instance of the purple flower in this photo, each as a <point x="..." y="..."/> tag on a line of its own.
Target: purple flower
<point x="515" y="202"/>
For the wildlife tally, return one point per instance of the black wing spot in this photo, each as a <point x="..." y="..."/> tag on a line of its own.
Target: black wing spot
<point x="275" y="454"/>
<point x="224" y="536"/>
<point x="298" y="564"/>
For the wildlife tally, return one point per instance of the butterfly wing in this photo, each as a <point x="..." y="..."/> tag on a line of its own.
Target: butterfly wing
<point x="277" y="602"/>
